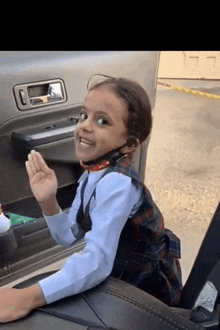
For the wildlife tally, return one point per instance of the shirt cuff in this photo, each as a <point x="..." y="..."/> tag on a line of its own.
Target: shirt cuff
<point x="48" y="217"/>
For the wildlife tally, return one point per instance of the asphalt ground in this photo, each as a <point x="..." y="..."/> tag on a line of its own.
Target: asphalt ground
<point x="183" y="171"/>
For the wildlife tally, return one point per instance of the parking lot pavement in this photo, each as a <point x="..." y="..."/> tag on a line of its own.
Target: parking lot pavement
<point x="183" y="172"/>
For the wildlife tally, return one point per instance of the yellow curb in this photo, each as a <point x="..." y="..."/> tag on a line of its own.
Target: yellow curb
<point x="195" y="92"/>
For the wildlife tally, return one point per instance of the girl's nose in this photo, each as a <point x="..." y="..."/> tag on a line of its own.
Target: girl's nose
<point x="86" y="125"/>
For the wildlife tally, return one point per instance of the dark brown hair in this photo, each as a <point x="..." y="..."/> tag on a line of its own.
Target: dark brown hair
<point x="139" y="122"/>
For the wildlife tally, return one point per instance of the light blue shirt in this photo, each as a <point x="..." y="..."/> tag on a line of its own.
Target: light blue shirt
<point x="117" y="199"/>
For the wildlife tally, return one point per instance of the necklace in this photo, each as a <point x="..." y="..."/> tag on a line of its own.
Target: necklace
<point x="98" y="167"/>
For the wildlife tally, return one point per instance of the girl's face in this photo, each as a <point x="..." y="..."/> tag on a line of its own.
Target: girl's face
<point x="101" y="127"/>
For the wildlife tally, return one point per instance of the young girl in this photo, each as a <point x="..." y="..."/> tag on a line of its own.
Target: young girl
<point x="113" y="210"/>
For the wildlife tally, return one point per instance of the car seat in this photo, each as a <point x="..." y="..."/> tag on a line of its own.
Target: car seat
<point x="117" y="305"/>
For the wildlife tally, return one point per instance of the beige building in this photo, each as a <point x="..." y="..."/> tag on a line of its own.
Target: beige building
<point x="189" y="64"/>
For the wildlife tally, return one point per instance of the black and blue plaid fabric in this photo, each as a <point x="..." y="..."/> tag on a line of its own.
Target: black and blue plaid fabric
<point x="147" y="254"/>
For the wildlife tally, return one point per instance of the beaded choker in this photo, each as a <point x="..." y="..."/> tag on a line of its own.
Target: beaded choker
<point x="98" y="167"/>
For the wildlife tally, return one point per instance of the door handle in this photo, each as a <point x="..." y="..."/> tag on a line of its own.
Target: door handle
<point x="40" y="94"/>
<point x="54" y="94"/>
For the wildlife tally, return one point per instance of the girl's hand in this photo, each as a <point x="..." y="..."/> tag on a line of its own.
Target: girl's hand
<point x="18" y="303"/>
<point x="13" y="305"/>
<point x="43" y="180"/>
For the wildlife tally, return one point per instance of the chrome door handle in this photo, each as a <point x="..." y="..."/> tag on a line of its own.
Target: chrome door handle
<point x="54" y="94"/>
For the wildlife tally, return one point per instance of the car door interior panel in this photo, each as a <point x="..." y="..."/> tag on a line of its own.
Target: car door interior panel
<point x="40" y="98"/>
<point x="41" y="93"/>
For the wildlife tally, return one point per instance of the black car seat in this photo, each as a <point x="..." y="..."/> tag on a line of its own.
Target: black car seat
<point x="117" y="305"/>
<point x="111" y="305"/>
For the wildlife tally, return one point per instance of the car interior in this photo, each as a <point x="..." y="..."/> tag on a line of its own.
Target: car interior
<point x="41" y="95"/>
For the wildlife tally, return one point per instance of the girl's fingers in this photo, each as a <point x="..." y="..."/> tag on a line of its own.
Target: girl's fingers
<point x="35" y="161"/>
<point x="40" y="163"/>
<point x="31" y="165"/>
<point x="30" y="174"/>
<point x="36" y="164"/>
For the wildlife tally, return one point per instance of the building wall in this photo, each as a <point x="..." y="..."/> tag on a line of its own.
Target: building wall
<point x="189" y="64"/>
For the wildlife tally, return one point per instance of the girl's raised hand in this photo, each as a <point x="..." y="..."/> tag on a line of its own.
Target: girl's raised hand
<point x="43" y="180"/>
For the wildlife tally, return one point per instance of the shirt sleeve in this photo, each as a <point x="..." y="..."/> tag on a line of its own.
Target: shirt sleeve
<point x="115" y="198"/>
<point x="63" y="227"/>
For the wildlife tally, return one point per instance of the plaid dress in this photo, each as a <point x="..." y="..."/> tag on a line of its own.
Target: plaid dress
<point x="147" y="254"/>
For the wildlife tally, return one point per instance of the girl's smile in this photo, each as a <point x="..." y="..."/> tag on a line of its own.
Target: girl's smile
<point x="101" y="127"/>
<point x="85" y="142"/>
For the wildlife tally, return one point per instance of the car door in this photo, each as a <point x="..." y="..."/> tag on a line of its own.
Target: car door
<point x="40" y="97"/>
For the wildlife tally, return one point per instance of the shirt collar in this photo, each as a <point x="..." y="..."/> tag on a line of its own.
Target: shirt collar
<point x="94" y="175"/>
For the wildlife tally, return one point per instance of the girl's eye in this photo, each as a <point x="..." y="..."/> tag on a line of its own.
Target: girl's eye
<point x="102" y="121"/>
<point x="83" y="116"/>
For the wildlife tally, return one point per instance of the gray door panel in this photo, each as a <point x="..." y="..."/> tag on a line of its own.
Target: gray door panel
<point x="40" y="98"/>
<point x="74" y="69"/>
